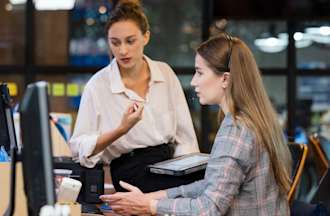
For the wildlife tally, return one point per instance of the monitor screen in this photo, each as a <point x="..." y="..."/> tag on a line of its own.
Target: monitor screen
<point x="37" y="148"/>
<point x="4" y="135"/>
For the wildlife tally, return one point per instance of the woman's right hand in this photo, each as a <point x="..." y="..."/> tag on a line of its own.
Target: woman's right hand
<point x="131" y="116"/>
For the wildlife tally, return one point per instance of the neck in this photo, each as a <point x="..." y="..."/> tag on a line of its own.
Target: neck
<point x="224" y="106"/>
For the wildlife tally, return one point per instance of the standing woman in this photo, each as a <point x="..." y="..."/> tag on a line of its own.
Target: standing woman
<point x="249" y="168"/>
<point x="133" y="112"/>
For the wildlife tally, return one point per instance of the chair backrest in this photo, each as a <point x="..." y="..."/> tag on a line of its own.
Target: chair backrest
<point x="319" y="156"/>
<point x="299" y="155"/>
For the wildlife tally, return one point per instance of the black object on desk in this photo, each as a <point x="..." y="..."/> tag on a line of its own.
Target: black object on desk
<point x="92" y="179"/>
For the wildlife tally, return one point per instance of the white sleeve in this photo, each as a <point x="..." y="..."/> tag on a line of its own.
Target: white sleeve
<point x="85" y="134"/>
<point x="185" y="134"/>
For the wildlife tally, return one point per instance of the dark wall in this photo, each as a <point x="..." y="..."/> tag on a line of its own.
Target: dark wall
<point x="272" y="8"/>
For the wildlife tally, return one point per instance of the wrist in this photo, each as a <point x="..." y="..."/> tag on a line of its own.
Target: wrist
<point x="157" y="195"/>
<point x="121" y="130"/>
<point x="153" y="206"/>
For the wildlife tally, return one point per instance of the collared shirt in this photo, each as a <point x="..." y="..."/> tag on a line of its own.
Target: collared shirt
<point x="165" y="119"/>
<point x="237" y="180"/>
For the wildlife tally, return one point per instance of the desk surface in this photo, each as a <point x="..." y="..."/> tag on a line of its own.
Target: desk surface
<point x="20" y="199"/>
<point x="20" y="202"/>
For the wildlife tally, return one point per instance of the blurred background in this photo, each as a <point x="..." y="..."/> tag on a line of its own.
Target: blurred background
<point x="64" y="43"/>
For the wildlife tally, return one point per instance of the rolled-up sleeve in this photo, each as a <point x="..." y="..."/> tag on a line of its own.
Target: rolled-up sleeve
<point x="191" y="190"/>
<point x="85" y="135"/>
<point x="230" y="159"/>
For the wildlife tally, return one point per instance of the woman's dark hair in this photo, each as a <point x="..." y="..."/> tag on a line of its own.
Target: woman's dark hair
<point x="128" y="10"/>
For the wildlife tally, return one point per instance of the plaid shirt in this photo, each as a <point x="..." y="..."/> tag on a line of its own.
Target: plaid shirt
<point x="237" y="181"/>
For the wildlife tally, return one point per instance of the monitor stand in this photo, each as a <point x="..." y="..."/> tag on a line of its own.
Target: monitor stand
<point x="15" y="157"/>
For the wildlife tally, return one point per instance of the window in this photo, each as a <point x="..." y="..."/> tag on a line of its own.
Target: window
<point x="273" y="56"/>
<point x="313" y="94"/>
<point x="175" y="30"/>
<point x="315" y="52"/>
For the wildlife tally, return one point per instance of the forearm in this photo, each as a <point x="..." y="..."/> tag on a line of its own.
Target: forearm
<point x="107" y="138"/>
<point x="193" y="190"/>
<point x="202" y="205"/>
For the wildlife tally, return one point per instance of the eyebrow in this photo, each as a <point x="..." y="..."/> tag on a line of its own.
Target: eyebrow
<point x="128" y="37"/>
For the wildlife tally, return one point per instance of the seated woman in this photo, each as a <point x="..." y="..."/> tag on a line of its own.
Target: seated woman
<point x="249" y="168"/>
<point x="133" y="112"/>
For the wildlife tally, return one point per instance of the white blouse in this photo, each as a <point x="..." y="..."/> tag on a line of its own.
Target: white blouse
<point x="166" y="117"/>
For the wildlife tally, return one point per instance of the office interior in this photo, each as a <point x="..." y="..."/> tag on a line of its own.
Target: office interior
<point x="66" y="44"/>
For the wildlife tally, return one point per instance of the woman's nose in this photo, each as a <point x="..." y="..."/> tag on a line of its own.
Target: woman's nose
<point x="123" y="50"/>
<point x="193" y="81"/>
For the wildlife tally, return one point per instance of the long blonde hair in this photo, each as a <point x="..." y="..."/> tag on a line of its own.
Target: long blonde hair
<point x="247" y="100"/>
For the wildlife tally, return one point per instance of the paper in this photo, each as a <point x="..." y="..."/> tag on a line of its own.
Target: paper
<point x="58" y="89"/>
<point x="72" y="90"/>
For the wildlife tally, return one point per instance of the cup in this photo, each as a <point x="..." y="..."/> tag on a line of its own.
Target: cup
<point x="59" y="174"/>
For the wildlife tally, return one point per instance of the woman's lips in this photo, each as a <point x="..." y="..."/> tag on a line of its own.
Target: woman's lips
<point x="126" y="60"/>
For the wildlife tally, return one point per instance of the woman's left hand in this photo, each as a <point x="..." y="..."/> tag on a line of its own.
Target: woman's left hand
<point x="133" y="202"/>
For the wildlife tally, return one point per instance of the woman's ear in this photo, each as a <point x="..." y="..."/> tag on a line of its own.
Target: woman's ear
<point x="146" y="38"/>
<point x="225" y="79"/>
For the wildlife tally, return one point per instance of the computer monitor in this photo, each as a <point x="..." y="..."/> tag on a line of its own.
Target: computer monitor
<point x="4" y="133"/>
<point x="8" y="140"/>
<point x="37" y="148"/>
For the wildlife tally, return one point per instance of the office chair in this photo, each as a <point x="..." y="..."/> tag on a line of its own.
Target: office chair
<point x="320" y="157"/>
<point x="299" y="155"/>
<point x="316" y="169"/>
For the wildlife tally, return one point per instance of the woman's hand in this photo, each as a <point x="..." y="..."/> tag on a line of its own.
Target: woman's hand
<point x="131" y="116"/>
<point x="133" y="202"/>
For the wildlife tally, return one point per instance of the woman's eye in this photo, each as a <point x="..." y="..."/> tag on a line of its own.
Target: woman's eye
<point x="114" y="43"/>
<point x="130" y="41"/>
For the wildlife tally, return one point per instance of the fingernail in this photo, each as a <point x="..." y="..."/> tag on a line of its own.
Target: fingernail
<point x="135" y="106"/>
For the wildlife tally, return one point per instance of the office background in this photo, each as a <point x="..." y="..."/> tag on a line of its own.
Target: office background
<point x="290" y="40"/>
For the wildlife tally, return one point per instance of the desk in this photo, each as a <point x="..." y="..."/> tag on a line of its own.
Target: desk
<point x="20" y="199"/>
<point x="20" y="203"/>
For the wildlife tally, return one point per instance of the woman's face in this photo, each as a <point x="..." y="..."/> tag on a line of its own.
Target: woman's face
<point x="127" y="42"/>
<point x="208" y="85"/>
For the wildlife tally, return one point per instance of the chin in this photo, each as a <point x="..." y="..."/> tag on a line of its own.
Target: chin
<point x="206" y="102"/>
<point x="127" y="66"/>
<point x="202" y="102"/>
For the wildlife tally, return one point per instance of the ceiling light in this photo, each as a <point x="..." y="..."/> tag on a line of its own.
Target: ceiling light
<point x="298" y="36"/>
<point x="271" y="44"/>
<point x="48" y="4"/>
<point x="54" y="5"/>
<point x="325" y="30"/>
<point x="102" y="9"/>
<point x="16" y="2"/>
<point x="302" y="40"/>
<point x="319" y="34"/>
<point x="9" y="7"/>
